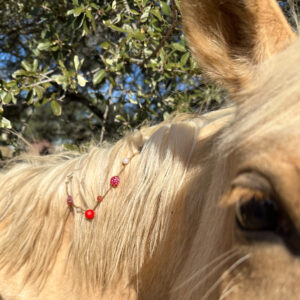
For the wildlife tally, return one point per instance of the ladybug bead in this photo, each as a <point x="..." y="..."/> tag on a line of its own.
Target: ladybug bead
<point x="114" y="181"/>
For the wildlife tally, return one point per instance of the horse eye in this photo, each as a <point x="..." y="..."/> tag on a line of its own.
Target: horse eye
<point x="257" y="214"/>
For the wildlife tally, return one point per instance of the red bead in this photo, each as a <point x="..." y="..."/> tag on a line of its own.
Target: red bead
<point x="99" y="198"/>
<point x="114" y="181"/>
<point x="89" y="214"/>
<point x="70" y="200"/>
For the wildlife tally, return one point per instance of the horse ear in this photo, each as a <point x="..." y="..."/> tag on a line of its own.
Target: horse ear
<point x="229" y="37"/>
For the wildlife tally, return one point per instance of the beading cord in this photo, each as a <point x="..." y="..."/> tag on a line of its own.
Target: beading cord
<point x="114" y="182"/>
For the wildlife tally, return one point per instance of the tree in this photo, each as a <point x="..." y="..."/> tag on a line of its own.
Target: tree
<point x="73" y="70"/>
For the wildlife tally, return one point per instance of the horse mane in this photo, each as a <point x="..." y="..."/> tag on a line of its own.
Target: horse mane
<point x="269" y="106"/>
<point x="130" y="223"/>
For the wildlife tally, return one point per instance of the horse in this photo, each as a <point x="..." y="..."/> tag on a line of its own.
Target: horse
<point x="196" y="207"/>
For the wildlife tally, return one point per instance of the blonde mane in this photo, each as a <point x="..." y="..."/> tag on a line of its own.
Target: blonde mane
<point x="129" y="225"/>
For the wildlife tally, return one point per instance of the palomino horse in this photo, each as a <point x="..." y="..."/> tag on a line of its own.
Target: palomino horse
<point x="204" y="207"/>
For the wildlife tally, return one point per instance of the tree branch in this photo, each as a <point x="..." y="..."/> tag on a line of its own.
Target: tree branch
<point x="166" y="36"/>
<point x="72" y="97"/>
<point x="105" y="116"/>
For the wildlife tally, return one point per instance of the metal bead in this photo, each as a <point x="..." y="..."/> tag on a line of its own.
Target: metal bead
<point x="125" y="161"/>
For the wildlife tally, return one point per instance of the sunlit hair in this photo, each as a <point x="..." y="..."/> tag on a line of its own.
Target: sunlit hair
<point x="270" y="106"/>
<point x="129" y="225"/>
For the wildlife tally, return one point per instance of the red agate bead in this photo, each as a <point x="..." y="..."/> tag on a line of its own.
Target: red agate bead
<point x="99" y="198"/>
<point x="89" y="214"/>
<point x="114" y="181"/>
<point x="70" y="200"/>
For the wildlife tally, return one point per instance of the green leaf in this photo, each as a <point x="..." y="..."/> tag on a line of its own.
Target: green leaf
<point x="76" y="62"/>
<point x="70" y="12"/>
<point x="184" y="59"/>
<point x="77" y="11"/>
<point x="35" y="52"/>
<point x="26" y="65"/>
<point x="138" y="35"/>
<point x="61" y="63"/>
<point x="81" y="63"/>
<point x="93" y="24"/>
<point x="79" y="21"/>
<point x="132" y="100"/>
<point x="59" y="79"/>
<point x="20" y="72"/>
<point x="95" y="6"/>
<point x="4" y="123"/>
<point x="162" y="55"/>
<point x="112" y="81"/>
<point x="114" y="27"/>
<point x="29" y="98"/>
<point x="91" y="18"/>
<point x="88" y="13"/>
<point x="165" y="8"/>
<point x="179" y="47"/>
<point x="109" y="61"/>
<point x="145" y="15"/>
<point x="119" y="118"/>
<point x="44" y="46"/>
<point x="99" y="76"/>
<point x="134" y="12"/>
<point x="81" y="80"/>
<point x="13" y="99"/>
<point x="11" y="84"/>
<point x="156" y="13"/>
<point x="144" y="2"/>
<point x="56" y="108"/>
<point x="35" y="64"/>
<point x="2" y="94"/>
<point x="86" y="30"/>
<point x="105" y="45"/>
<point x="166" y="115"/>
<point x="7" y="99"/>
<point x="45" y="100"/>
<point x="39" y="91"/>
